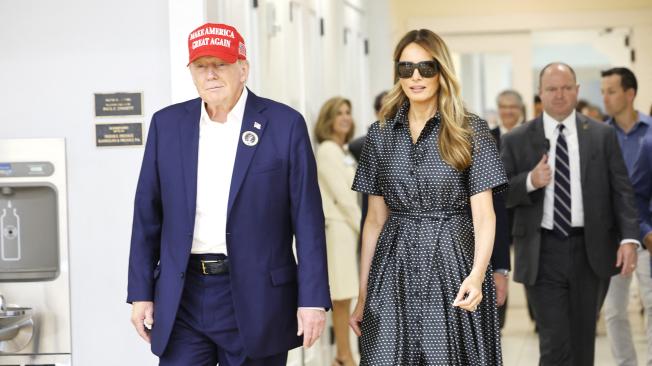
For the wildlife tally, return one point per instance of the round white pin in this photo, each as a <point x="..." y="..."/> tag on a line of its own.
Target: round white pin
<point x="249" y="138"/>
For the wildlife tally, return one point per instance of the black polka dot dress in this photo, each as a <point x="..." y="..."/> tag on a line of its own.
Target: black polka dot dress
<point x="425" y="249"/>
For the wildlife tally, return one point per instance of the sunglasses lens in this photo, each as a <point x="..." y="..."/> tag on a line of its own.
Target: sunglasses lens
<point x="405" y="69"/>
<point x="427" y="69"/>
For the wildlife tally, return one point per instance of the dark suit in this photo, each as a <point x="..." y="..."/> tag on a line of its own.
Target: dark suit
<point x="273" y="197"/>
<point x="500" y="255"/>
<point x="642" y="182"/>
<point x="563" y="277"/>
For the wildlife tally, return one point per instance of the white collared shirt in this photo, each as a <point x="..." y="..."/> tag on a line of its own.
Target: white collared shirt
<point x="551" y="131"/>
<point x="218" y="143"/>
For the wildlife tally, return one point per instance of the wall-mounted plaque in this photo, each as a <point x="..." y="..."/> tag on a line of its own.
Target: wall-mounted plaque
<point x="118" y="134"/>
<point x="118" y="104"/>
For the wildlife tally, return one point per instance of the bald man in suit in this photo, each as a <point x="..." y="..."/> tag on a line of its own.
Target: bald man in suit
<point x="575" y="220"/>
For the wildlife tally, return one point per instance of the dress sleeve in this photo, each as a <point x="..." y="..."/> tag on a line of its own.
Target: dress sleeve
<point x="366" y="177"/>
<point x="486" y="170"/>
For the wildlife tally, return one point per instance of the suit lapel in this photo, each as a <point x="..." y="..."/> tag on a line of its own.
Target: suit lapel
<point x="538" y="139"/>
<point x="584" y="142"/>
<point x="245" y="153"/>
<point x="189" y="133"/>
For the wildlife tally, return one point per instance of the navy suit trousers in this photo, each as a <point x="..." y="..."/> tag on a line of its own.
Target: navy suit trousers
<point x="205" y="332"/>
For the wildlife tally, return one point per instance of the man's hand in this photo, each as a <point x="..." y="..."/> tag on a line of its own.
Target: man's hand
<point x="311" y="325"/>
<point x="626" y="258"/>
<point x="541" y="174"/>
<point x="502" y="286"/>
<point x="647" y="241"/>
<point x="142" y="312"/>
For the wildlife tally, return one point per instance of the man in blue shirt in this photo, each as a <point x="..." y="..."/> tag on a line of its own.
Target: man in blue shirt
<point x="619" y="87"/>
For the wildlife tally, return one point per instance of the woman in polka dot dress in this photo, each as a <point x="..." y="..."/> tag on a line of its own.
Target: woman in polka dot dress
<point x="430" y="169"/>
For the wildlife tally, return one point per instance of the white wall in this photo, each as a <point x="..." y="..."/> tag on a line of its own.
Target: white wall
<point x="381" y="50"/>
<point x="184" y="17"/>
<point x="53" y="56"/>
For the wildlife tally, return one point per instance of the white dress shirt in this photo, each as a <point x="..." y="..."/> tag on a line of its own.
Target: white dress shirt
<point x="218" y="143"/>
<point x="551" y="131"/>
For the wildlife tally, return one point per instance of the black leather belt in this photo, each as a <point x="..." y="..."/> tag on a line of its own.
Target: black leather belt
<point x="209" y="264"/>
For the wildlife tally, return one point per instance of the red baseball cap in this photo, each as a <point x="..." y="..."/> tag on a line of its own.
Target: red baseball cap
<point x="217" y="40"/>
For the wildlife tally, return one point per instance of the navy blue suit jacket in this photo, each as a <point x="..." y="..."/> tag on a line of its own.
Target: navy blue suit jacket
<point x="274" y="197"/>
<point x="642" y="183"/>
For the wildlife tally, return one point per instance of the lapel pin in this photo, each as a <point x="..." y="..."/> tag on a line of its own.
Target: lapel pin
<point x="257" y="125"/>
<point x="249" y="138"/>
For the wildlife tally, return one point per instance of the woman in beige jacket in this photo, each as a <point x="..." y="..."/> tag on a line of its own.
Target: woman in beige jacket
<point x="336" y="169"/>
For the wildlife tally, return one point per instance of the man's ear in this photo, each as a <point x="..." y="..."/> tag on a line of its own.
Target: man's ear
<point x="244" y="67"/>
<point x="630" y="94"/>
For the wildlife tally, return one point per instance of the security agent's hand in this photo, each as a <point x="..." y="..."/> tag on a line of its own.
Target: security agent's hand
<point x="626" y="258"/>
<point x="647" y="241"/>
<point x="311" y="325"/>
<point x="470" y="293"/>
<point x="142" y="314"/>
<point x="502" y="286"/>
<point x="541" y="174"/>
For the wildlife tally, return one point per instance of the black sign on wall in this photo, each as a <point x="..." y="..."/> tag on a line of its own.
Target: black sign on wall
<point x="118" y="104"/>
<point x="118" y="134"/>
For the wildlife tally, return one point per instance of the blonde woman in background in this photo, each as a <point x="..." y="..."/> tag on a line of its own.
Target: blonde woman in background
<point x="336" y="168"/>
<point x="429" y="168"/>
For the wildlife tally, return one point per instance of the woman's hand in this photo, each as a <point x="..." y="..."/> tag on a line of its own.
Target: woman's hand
<point x="356" y="318"/>
<point x="470" y="294"/>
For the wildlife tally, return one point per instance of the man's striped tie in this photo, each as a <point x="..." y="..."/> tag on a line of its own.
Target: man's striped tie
<point x="562" y="215"/>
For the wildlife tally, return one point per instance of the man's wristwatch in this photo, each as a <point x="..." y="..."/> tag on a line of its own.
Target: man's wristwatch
<point x="504" y="272"/>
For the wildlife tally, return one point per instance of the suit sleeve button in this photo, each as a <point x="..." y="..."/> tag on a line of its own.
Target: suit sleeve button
<point x="182" y="274"/>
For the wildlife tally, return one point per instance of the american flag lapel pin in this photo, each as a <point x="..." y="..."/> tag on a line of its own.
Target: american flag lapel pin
<point x="257" y="125"/>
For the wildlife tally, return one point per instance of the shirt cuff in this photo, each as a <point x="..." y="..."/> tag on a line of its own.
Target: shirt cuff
<point x="633" y="241"/>
<point x="528" y="183"/>
<point x="311" y="308"/>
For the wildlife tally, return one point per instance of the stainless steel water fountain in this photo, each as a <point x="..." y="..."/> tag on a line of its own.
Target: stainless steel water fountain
<point x="34" y="276"/>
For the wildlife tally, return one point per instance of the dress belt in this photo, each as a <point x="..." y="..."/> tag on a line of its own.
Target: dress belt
<point x="434" y="214"/>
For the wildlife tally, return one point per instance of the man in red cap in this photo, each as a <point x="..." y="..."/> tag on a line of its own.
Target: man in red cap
<point x="228" y="180"/>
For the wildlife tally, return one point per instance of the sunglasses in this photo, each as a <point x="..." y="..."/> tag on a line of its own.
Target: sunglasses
<point x="427" y="69"/>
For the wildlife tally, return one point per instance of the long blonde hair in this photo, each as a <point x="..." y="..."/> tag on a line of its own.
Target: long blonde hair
<point x="327" y="116"/>
<point x="455" y="133"/>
